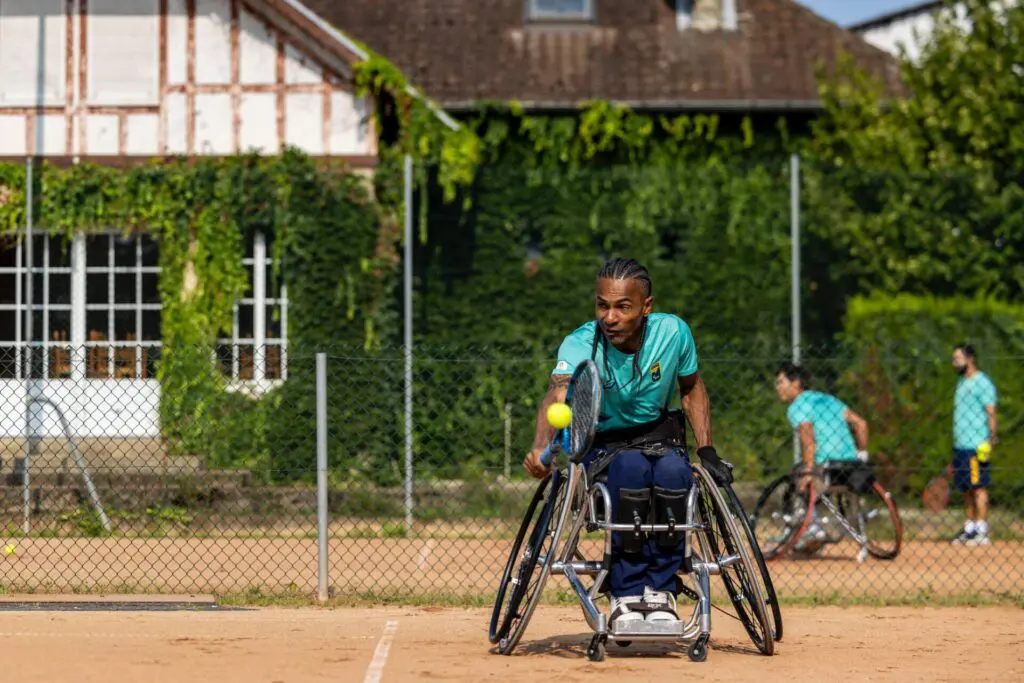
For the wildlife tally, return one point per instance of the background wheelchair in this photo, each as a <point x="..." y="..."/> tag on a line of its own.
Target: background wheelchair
<point x="850" y="503"/>
<point x="572" y="501"/>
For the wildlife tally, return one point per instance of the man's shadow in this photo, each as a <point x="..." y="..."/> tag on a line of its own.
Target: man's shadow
<point x="575" y="647"/>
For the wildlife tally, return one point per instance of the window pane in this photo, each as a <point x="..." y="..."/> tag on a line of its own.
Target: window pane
<point x="8" y="283"/>
<point x="8" y="252"/>
<point x="248" y="283"/>
<point x="151" y="358"/>
<point x="8" y="362"/>
<point x="151" y="325"/>
<point x="8" y="327"/>
<point x="559" y="8"/>
<point x="60" y="289"/>
<point x="150" y="290"/>
<point x="124" y="325"/>
<point x="96" y="288"/>
<point x="246" y="361"/>
<point x="124" y="288"/>
<point x="60" y="326"/>
<point x="273" y="322"/>
<point x="245" y="327"/>
<point x="60" y="253"/>
<point x="124" y="251"/>
<point x="273" y="360"/>
<point x="96" y="251"/>
<point x="223" y="354"/>
<point x="96" y="325"/>
<point x="150" y="251"/>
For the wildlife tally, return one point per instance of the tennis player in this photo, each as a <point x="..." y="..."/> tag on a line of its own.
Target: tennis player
<point x="645" y="361"/>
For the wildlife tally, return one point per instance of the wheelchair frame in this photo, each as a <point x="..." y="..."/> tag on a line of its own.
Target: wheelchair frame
<point x="577" y="499"/>
<point x="836" y="518"/>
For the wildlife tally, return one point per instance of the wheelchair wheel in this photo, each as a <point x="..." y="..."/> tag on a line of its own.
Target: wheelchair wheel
<point x="529" y="563"/>
<point x="781" y="516"/>
<point x="721" y="539"/>
<point x="766" y="585"/>
<point x="874" y="514"/>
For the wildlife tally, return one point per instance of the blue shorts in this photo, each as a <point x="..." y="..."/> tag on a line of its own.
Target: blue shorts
<point x="968" y="473"/>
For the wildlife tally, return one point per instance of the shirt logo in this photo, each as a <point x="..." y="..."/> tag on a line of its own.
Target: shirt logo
<point x="656" y="372"/>
<point x="562" y="365"/>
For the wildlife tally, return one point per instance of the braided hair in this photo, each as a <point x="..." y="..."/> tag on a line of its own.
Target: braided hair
<point x="623" y="269"/>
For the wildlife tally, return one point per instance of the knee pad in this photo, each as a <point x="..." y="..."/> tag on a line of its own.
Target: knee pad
<point x="669" y="508"/>
<point x="634" y="506"/>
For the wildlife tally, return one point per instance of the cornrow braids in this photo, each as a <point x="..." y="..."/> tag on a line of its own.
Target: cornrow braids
<point x="623" y="269"/>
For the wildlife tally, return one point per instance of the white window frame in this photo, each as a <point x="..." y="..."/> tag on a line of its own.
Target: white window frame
<point x="259" y="301"/>
<point x="77" y="343"/>
<point x="111" y="307"/>
<point x="535" y="13"/>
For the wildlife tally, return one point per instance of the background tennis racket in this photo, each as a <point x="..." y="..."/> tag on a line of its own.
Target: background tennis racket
<point x="584" y="400"/>
<point x="935" y="496"/>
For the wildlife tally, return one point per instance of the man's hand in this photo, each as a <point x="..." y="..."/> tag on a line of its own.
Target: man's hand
<point x="533" y="464"/>
<point x="803" y="482"/>
<point x="720" y="470"/>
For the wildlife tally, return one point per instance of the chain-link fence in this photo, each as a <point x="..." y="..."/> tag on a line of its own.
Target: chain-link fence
<point x="105" y="489"/>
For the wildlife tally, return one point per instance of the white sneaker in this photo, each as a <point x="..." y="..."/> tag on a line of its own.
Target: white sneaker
<point x="663" y="605"/>
<point x="978" y="539"/>
<point x="621" y="613"/>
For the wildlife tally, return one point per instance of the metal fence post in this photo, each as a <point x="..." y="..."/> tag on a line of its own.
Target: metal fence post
<point x="794" y="240"/>
<point x="407" y="287"/>
<point x="321" y="474"/>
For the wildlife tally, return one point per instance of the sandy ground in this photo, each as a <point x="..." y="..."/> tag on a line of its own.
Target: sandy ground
<point x="453" y="566"/>
<point x="422" y="644"/>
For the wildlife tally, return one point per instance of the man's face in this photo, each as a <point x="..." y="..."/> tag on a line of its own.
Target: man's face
<point x="786" y="388"/>
<point x="621" y="307"/>
<point x="959" y="362"/>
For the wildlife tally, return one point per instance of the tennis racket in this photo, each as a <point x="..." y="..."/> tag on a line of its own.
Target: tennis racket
<point x="584" y="400"/>
<point x="935" y="496"/>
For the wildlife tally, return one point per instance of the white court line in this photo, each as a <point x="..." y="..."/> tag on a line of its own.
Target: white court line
<point x="380" y="655"/>
<point x="425" y="554"/>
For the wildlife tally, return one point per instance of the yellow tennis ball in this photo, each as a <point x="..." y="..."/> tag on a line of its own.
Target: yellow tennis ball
<point x="9" y="549"/>
<point x="559" y="415"/>
<point x="984" y="450"/>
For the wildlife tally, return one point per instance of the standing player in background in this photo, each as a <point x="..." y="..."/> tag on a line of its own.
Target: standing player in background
<point x="974" y="434"/>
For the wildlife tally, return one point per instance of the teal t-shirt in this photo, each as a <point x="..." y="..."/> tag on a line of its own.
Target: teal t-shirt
<point x="632" y="398"/>
<point x="826" y="413"/>
<point x="970" y="420"/>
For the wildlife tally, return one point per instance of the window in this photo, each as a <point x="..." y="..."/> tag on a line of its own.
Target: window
<point x="255" y="348"/>
<point x="122" y="306"/>
<point x="95" y="308"/>
<point x="561" y="9"/>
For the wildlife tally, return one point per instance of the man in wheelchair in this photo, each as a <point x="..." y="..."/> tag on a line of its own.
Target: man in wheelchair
<point x="832" y="437"/>
<point x="643" y="358"/>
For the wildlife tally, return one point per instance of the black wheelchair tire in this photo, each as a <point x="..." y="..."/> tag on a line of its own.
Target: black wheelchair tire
<point x="770" y="598"/>
<point x="507" y="621"/>
<point x="774" y="551"/>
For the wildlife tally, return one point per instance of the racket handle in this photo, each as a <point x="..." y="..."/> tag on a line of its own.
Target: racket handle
<point x="549" y="453"/>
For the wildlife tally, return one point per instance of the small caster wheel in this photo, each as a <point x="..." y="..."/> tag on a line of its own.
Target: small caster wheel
<point x="623" y="643"/>
<point x="698" y="651"/>
<point x="595" y="652"/>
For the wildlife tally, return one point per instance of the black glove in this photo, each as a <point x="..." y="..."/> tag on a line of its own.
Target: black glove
<point x="720" y="470"/>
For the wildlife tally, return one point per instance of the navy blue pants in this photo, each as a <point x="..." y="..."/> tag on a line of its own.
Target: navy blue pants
<point x="655" y="567"/>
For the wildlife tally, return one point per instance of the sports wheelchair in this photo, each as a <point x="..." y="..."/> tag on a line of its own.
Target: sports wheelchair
<point x="575" y="499"/>
<point x="850" y="502"/>
<point x="548" y="542"/>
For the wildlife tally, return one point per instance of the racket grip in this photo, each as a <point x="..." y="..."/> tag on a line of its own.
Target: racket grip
<point x="549" y="453"/>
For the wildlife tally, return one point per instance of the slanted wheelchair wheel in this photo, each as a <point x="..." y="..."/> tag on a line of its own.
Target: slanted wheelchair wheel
<point x="767" y="587"/>
<point x="874" y="514"/>
<point x="721" y="539"/>
<point x="529" y="563"/>
<point x="781" y="516"/>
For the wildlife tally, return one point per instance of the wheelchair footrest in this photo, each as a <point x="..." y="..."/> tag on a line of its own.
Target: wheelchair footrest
<point x="648" y="629"/>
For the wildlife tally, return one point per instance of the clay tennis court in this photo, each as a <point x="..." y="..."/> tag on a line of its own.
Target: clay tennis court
<point x="417" y="644"/>
<point x="453" y="566"/>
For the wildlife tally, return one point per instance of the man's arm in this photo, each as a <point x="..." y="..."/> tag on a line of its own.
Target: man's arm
<point x="558" y="385"/>
<point x="697" y="407"/>
<point x="992" y="423"/>
<point x="859" y="427"/>
<point x="808" y="447"/>
<point x="544" y="432"/>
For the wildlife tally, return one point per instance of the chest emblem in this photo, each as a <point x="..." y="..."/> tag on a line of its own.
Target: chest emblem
<point x="656" y="372"/>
